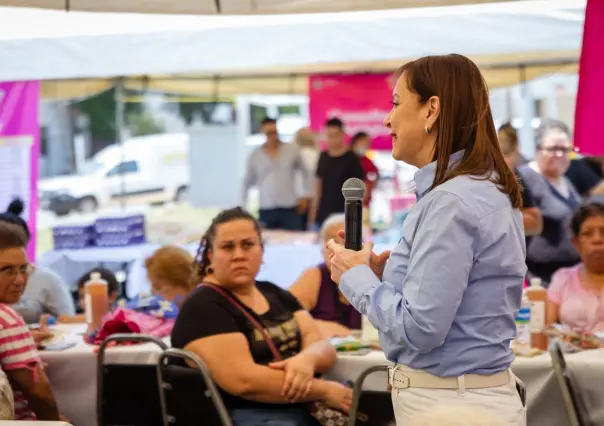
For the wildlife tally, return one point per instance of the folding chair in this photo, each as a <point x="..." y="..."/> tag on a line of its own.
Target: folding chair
<point x="127" y="394"/>
<point x="572" y="401"/>
<point x="188" y="395"/>
<point x="357" y="392"/>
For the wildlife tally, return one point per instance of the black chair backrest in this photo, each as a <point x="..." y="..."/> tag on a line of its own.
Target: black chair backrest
<point x="376" y="406"/>
<point x="189" y="396"/>
<point x="568" y="387"/>
<point x="127" y="394"/>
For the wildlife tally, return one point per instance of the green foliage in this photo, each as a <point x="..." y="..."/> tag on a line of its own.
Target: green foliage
<point x="189" y="110"/>
<point x="143" y="123"/>
<point x="100" y="110"/>
<point x="288" y="110"/>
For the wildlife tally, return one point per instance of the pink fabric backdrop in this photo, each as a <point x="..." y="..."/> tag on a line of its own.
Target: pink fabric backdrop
<point x="361" y="101"/>
<point x="19" y="117"/>
<point x="590" y="96"/>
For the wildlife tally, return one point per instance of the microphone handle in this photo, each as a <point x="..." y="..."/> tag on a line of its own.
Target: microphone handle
<point x="353" y="224"/>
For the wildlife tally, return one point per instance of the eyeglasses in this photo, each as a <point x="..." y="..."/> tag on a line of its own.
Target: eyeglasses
<point x="556" y="150"/>
<point x="10" y="272"/>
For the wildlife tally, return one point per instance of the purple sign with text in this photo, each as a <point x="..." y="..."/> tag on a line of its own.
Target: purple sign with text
<point x="20" y="150"/>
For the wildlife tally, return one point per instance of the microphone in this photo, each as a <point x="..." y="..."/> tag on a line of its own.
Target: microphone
<point x="353" y="191"/>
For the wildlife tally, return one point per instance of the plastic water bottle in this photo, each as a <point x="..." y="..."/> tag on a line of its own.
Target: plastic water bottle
<point x="523" y="325"/>
<point x="537" y="295"/>
<point x="96" y="301"/>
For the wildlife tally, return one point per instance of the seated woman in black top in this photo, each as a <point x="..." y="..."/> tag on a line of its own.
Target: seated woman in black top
<point x="256" y="390"/>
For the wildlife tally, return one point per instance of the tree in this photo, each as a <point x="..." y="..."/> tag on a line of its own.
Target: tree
<point x="100" y="110"/>
<point x="143" y="123"/>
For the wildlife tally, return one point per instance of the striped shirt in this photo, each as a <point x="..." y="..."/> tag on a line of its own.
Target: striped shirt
<point x="17" y="351"/>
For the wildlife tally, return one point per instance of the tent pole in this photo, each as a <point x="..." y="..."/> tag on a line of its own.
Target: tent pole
<point x="119" y="135"/>
<point x="527" y="134"/>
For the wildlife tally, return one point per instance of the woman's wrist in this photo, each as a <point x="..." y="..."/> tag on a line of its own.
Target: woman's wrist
<point x="310" y="357"/>
<point x="319" y="389"/>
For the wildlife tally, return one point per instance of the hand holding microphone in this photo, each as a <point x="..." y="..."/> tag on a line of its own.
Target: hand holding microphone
<point x="354" y="251"/>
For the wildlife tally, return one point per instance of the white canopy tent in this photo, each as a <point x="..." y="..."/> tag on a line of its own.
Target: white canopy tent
<point x="225" y="55"/>
<point x="238" y="7"/>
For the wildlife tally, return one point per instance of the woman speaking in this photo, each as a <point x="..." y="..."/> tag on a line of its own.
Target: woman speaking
<point x="446" y="300"/>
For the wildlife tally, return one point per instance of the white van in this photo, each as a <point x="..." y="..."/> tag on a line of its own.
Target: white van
<point x="147" y="169"/>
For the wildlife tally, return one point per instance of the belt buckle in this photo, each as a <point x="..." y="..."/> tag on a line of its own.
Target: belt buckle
<point x="397" y="379"/>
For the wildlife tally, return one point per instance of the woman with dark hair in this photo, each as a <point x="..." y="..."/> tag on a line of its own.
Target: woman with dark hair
<point x="444" y="303"/>
<point x="46" y="292"/>
<point x="576" y="295"/>
<point x="220" y="322"/>
<point x="19" y="359"/>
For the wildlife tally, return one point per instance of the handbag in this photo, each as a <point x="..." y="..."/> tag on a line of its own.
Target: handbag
<point x="323" y="413"/>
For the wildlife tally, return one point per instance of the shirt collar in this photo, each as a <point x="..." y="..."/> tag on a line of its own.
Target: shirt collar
<point x="424" y="177"/>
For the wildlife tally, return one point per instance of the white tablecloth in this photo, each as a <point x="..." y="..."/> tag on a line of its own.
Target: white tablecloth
<point x="73" y="372"/>
<point x="545" y="404"/>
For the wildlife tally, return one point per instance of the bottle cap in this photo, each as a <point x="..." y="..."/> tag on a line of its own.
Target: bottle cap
<point x="535" y="282"/>
<point x="95" y="276"/>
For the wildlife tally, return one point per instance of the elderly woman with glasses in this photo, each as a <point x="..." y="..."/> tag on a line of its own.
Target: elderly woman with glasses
<point x="33" y="397"/>
<point x="557" y="199"/>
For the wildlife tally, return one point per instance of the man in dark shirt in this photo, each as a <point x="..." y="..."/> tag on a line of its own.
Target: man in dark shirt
<point x="336" y="164"/>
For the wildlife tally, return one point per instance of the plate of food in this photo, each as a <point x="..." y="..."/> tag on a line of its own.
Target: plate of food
<point x="574" y="340"/>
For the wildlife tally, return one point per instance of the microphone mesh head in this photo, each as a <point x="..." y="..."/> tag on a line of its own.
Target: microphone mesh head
<point x="353" y="189"/>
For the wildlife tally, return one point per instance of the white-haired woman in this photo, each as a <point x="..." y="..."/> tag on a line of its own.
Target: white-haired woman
<point x="317" y="293"/>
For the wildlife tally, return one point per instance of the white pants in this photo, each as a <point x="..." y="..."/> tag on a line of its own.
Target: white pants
<point x="503" y="401"/>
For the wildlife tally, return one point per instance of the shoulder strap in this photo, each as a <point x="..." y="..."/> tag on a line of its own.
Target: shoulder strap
<point x="255" y="323"/>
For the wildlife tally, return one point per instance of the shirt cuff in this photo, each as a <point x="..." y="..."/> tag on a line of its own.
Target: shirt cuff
<point x="356" y="283"/>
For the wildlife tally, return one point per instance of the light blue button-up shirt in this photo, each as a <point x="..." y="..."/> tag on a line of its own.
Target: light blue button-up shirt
<point x="453" y="284"/>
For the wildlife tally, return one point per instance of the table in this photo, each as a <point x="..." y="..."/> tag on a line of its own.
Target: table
<point x="73" y="374"/>
<point x="544" y="400"/>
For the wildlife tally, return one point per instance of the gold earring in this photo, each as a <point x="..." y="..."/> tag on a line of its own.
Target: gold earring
<point x="427" y="130"/>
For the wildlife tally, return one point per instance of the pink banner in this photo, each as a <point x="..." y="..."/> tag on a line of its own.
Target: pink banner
<point x="588" y="113"/>
<point x="361" y="101"/>
<point x="20" y="150"/>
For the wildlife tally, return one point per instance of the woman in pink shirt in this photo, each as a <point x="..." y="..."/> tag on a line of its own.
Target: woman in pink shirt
<point x="576" y="295"/>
